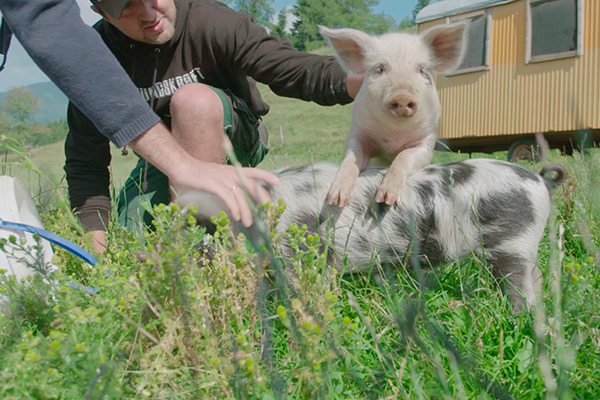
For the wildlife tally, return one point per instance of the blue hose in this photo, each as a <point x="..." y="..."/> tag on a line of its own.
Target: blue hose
<point x="59" y="241"/>
<point x="52" y="238"/>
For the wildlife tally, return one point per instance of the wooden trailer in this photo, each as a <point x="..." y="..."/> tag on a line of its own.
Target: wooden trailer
<point x="532" y="66"/>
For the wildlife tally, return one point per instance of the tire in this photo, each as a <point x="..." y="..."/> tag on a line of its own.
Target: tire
<point x="524" y="150"/>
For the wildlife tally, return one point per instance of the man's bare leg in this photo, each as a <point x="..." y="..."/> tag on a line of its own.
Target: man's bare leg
<point x="197" y="125"/>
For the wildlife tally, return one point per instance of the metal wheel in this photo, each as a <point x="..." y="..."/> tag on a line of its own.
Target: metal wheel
<point x="524" y="150"/>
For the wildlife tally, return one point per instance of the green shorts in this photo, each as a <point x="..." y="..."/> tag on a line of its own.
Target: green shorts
<point x="248" y="135"/>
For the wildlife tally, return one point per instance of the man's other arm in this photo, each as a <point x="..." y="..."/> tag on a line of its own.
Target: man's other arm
<point x="76" y="59"/>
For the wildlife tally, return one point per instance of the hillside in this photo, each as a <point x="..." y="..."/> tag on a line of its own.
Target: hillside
<point x="53" y="106"/>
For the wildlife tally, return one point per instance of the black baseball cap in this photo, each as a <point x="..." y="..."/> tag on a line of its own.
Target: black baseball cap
<point x="114" y="8"/>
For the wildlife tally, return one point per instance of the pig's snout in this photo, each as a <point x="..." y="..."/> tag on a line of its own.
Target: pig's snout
<point x="402" y="106"/>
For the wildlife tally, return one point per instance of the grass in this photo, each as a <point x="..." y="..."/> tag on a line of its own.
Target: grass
<point x="174" y="318"/>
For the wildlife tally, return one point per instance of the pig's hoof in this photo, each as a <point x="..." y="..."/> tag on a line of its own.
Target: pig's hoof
<point x="388" y="195"/>
<point x="386" y="198"/>
<point x="339" y="196"/>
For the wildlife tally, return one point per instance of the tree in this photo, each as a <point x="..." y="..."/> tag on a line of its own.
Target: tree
<point x="278" y="29"/>
<point x="20" y="103"/>
<point x="37" y="135"/>
<point x="378" y="24"/>
<point x="4" y="124"/>
<point x="420" y="5"/>
<point x="407" y="25"/>
<point x="260" y="10"/>
<point x="336" y="14"/>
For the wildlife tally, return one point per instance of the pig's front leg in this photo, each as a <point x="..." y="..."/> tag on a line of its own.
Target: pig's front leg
<point x="355" y="160"/>
<point x="406" y="163"/>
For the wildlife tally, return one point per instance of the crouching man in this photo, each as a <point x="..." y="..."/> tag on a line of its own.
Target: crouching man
<point x="196" y="63"/>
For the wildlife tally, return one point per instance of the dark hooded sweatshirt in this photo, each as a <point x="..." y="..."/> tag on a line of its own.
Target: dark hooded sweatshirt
<point x="214" y="45"/>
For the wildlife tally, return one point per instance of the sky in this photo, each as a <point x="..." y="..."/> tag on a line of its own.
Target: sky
<point x="21" y="71"/>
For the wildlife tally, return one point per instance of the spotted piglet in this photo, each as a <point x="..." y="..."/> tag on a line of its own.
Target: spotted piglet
<point x="479" y="206"/>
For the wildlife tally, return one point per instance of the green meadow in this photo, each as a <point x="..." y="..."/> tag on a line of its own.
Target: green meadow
<point x="179" y="314"/>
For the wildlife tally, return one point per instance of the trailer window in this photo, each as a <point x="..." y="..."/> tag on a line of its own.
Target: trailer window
<point x="554" y="29"/>
<point x="477" y="54"/>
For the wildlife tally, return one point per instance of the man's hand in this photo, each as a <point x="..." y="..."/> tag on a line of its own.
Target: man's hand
<point x="188" y="173"/>
<point x="228" y="184"/>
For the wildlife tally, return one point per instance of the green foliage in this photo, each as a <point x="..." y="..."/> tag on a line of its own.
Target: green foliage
<point x="279" y="28"/>
<point x="20" y="103"/>
<point x="20" y="155"/>
<point x="28" y="299"/>
<point x="4" y="122"/>
<point x="335" y="14"/>
<point x="18" y="106"/>
<point x="407" y="25"/>
<point x="332" y="13"/>
<point x="52" y="132"/>
<point x="36" y="135"/>
<point x="182" y="314"/>
<point x="260" y="10"/>
<point x="418" y="7"/>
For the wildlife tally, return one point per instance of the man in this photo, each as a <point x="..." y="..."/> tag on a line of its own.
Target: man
<point x="74" y="57"/>
<point x="195" y="62"/>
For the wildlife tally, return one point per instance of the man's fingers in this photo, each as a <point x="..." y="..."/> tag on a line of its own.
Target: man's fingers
<point x="257" y="191"/>
<point x="256" y="173"/>
<point x="233" y="196"/>
<point x="231" y="202"/>
<point x="224" y="182"/>
<point x="260" y="194"/>
<point x="245" y="212"/>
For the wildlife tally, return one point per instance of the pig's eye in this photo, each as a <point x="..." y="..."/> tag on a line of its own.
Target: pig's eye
<point x="425" y="73"/>
<point x="380" y="69"/>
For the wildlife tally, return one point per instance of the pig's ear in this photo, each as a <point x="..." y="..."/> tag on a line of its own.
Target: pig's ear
<point x="448" y="43"/>
<point x="350" y="46"/>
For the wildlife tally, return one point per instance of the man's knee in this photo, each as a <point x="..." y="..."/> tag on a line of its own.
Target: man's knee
<point x="197" y="99"/>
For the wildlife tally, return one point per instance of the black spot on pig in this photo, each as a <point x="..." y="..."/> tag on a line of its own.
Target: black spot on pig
<point x="361" y="244"/>
<point x="461" y="172"/>
<point x="309" y="219"/>
<point x="509" y="271"/>
<point x="525" y="174"/>
<point x="393" y="256"/>
<point x="303" y="189"/>
<point x="503" y="216"/>
<point x="426" y="192"/>
<point x="432" y="170"/>
<point x="432" y="251"/>
<point x="290" y="171"/>
<point x="455" y="174"/>
<point x="377" y="210"/>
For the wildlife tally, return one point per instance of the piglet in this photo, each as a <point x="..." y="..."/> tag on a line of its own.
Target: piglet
<point x="492" y="209"/>
<point x="396" y="113"/>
